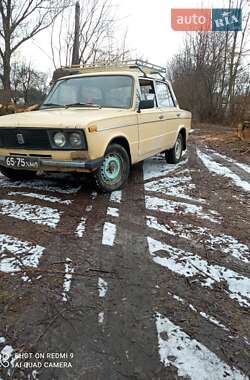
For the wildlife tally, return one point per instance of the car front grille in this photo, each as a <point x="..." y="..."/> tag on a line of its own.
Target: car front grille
<point x="24" y="138"/>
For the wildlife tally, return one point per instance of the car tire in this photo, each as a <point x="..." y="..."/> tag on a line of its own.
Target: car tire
<point x="114" y="171"/>
<point x="173" y="156"/>
<point x="17" y="175"/>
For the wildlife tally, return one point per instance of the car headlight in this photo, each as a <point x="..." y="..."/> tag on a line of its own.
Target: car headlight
<point x="60" y="139"/>
<point x="75" y="140"/>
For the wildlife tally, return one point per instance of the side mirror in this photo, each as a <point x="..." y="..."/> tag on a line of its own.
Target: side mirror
<point x="145" y="104"/>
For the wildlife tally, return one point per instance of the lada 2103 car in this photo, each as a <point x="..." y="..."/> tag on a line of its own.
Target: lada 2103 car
<point x="100" y="120"/>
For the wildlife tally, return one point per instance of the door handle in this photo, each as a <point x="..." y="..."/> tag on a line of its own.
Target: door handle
<point x="178" y="114"/>
<point x="161" y="117"/>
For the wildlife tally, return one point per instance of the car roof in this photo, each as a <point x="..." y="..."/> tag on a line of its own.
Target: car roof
<point x="138" y="68"/>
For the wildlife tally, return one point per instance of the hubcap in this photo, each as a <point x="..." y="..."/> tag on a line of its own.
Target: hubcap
<point x="111" y="168"/>
<point x="178" y="148"/>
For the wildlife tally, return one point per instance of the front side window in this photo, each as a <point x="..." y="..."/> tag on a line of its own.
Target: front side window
<point x="111" y="91"/>
<point x="164" y="95"/>
<point x="147" y="90"/>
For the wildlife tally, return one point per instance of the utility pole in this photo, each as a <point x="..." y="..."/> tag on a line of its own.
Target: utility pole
<point x="76" y="45"/>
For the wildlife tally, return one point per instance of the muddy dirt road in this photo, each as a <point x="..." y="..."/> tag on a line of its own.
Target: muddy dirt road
<point x="151" y="282"/>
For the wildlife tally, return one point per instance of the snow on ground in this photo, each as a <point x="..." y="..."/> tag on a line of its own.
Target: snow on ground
<point x="244" y="167"/>
<point x="5" y="355"/>
<point x="102" y="287"/>
<point x="80" y="229"/>
<point x="222" y="170"/>
<point x="15" y="255"/>
<point x="173" y="207"/>
<point x="31" y="213"/>
<point x="189" y="265"/>
<point x="224" y="243"/>
<point x="41" y="184"/>
<point x="202" y="313"/>
<point x="41" y="197"/>
<point x="109" y="234"/>
<point x="113" y="211"/>
<point x="116" y="196"/>
<point x="101" y="317"/>
<point x="191" y="358"/>
<point x="157" y="167"/>
<point x="178" y="186"/>
<point x="69" y="271"/>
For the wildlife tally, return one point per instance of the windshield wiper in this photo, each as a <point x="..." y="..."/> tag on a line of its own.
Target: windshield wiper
<point x="52" y="105"/>
<point x="83" y="105"/>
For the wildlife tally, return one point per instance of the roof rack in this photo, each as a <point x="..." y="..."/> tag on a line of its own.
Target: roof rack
<point x="150" y="67"/>
<point x="147" y="69"/>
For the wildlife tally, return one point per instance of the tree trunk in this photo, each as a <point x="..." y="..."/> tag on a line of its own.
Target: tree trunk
<point x="6" y="78"/>
<point x="76" y="46"/>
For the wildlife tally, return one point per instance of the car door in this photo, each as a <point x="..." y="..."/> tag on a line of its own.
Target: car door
<point x="170" y="114"/>
<point x="149" y="121"/>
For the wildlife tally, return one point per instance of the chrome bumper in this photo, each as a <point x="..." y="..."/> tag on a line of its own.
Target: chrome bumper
<point x="74" y="164"/>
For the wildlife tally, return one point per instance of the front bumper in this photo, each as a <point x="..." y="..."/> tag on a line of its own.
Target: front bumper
<point x="63" y="164"/>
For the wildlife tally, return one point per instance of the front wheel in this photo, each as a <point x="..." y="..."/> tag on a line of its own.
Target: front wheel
<point x="114" y="171"/>
<point x="17" y="175"/>
<point x="173" y="156"/>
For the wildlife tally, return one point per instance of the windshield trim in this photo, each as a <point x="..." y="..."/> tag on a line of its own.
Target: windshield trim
<point x="90" y="76"/>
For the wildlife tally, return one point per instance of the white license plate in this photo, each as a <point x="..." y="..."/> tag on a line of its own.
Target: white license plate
<point x="21" y="162"/>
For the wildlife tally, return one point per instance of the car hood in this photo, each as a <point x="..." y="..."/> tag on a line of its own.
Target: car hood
<point x="60" y="118"/>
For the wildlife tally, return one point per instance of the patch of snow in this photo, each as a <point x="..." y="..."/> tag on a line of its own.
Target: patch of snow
<point x="2" y="339"/>
<point x="101" y="317"/>
<point x="102" y="287"/>
<point x="81" y="228"/>
<point x="157" y="167"/>
<point x="213" y="320"/>
<point x="181" y="208"/>
<point x="41" y="197"/>
<point x="89" y="208"/>
<point x="39" y="184"/>
<point x="152" y="222"/>
<point x="204" y="315"/>
<point x="174" y="186"/>
<point x="31" y="213"/>
<point x="191" y="358"/>
<point x="116" y="196"/>
<point x="221" y="242"/>
<point x="69" y="271"/>
<point x="24" y="254"/>
<point x="244" y="167"/>
<point x="94" y="195"/>
<point x="112" y="211"/>
<point x="190" y="265"/>
<point x="223" y="171"/>
<point x="7" y="350"/>
<point x="109" y="234"/>
<point x="82" y="225"/>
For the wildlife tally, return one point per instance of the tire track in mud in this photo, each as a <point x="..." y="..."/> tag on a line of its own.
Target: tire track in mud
<point x="128" y="327"/>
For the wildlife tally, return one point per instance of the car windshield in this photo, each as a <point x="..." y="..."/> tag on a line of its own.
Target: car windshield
<point x="112" y="91"/>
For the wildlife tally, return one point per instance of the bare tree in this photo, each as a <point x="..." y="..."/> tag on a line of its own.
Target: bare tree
<point x="21" y="20"/>
<point x="97" y="28"/>
<point x="211" y="71"/>
<point x="27" y="81"/>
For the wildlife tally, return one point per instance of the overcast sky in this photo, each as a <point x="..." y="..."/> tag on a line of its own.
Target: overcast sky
<point x="149" y="30"/>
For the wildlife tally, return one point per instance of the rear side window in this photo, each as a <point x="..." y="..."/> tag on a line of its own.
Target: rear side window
<point x="164" y="95"/>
